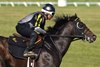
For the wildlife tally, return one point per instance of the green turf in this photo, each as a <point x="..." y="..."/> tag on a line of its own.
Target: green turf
<point x="80" y="54"/>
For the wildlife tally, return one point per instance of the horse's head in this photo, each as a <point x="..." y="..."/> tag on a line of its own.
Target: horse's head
<point x="81" y="30"/>
<point x="72" y="26"/>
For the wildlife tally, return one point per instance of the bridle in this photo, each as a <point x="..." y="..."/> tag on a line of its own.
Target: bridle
<point x="77" y="29"/>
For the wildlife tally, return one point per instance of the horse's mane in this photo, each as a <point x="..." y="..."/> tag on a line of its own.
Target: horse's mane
<point x="59" y="22"/>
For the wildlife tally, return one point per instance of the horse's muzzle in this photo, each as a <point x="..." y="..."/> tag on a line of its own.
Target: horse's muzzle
<point x="90" y="39"/>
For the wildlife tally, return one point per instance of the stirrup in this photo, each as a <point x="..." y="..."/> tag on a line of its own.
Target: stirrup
<point x="30" y="54"/>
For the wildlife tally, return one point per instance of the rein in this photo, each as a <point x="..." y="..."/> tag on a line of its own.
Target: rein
<point x="68" y="36"/>
<point x="77" y="37"/>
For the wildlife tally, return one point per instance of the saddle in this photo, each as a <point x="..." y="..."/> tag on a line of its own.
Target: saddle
<point x="18" y="43"/>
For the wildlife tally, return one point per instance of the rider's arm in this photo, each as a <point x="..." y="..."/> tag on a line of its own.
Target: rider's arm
<point x="39" y="30"/>
<point x="39" y="23"/>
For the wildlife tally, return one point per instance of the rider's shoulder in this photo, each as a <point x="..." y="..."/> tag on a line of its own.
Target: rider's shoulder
<point x="35" y="14"/>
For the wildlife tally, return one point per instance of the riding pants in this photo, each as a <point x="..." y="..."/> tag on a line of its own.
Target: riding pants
<point x="29" y="33"/>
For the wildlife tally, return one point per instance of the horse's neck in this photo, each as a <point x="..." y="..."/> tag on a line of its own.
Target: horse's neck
<point x="63" y="43"/>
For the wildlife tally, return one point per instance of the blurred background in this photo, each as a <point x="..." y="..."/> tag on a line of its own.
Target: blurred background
<point x="80" y="53"/>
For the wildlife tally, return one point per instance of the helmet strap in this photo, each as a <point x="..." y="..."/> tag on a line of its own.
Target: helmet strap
<point x="46" y="14"/>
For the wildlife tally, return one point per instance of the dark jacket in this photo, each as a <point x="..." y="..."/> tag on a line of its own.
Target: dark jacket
<point x="26" y="25"/>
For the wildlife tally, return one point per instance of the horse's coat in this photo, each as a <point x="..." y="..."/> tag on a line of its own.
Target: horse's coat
<point x="54" y="47"/>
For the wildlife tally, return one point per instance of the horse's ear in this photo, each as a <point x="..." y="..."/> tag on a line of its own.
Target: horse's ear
<point x="75" y="15"/>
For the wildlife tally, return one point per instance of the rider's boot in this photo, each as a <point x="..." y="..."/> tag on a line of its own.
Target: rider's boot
<point x="28" y="51"/>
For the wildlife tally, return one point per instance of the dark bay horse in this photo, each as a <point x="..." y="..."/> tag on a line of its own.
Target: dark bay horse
<point x="55" y="45"/>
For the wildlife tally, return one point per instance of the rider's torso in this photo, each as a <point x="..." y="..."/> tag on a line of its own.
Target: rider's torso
<point x="36" y="19"/>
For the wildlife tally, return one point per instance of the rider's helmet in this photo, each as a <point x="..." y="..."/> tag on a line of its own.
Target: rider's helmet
<point x="49" y="8"/>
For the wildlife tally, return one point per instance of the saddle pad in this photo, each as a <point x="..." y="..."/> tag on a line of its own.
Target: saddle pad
<point x="16" y="48"/>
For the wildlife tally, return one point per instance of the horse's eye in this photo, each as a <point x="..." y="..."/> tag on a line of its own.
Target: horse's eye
<point x="80" y="25"/>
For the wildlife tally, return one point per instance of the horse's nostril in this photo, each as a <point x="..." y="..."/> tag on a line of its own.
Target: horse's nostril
<point x="94" y="37"/>
<point x="91" y="38"/>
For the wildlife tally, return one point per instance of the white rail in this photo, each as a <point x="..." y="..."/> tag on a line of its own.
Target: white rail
<point x="26" y="4"/>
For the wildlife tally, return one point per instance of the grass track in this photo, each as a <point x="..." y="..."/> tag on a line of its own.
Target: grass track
<point x="80" y="54"/>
